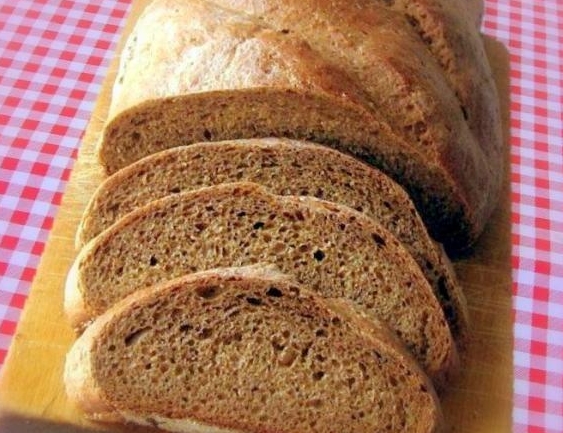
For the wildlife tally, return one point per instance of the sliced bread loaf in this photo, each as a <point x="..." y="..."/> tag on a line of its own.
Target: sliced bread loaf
<point x="244" y="350"/>
<point x="284" y="167"/>
<point x="413" y="93"/>
<point x="224" y="75"/>
<point x="330" y="248"/>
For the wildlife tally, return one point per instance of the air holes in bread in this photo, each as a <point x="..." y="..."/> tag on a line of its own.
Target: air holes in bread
<point x="319" y="255"/>
<point x="207" y="134"/>
<point x="254" y="301"/>
<point x="153" y="261"/>
<point x="305" y="351"/>
<point x="378" y="240"/>
<point x="135" y="336"/>
<point x="200" y="226"/>
<point x="274" y="292"/>
<point x="175" y="190"/>
<point x="204" y="333"/>
<point x="185" y="327"/>
<point x="258" y="225"/>
<point x="277" y="345"/>
<point x="208" y="292"/>
<point x="318" y="375"/>
<point x="465" y="113"/>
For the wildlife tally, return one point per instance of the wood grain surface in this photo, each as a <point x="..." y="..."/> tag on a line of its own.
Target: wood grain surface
<point x="32" y="397"/>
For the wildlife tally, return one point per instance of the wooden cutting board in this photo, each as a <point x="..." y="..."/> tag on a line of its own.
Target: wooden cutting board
<point x="32" y="397"/>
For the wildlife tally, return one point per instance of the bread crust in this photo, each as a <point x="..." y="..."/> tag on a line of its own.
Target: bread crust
<point x="79" y="381"/>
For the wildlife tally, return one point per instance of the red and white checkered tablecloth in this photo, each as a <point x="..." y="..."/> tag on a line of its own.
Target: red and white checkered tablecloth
<point x="532" y="30"/>
<point x="54" y="55"/>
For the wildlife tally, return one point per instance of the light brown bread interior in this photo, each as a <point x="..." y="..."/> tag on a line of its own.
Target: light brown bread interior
<point x="243" y="350"/>
<point x="329" y="248"/>
<point x="284" y="167"/>
<point x="226" y="76"/>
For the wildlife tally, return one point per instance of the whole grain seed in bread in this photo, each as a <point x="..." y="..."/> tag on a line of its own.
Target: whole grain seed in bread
<point x="284" y="167"/>
<point x="224" y="75"/>
<point x="233" y="350"/>
<point x="330" y="248"/>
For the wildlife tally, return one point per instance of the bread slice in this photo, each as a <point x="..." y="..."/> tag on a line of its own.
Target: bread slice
<point x="245" y="350"/>
<point x="284" y="167"/>
<point x="223" y="75"/>
<point x="329" y="248"/>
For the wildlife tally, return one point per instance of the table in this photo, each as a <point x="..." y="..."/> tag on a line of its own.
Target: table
<point x="54" y="55"/>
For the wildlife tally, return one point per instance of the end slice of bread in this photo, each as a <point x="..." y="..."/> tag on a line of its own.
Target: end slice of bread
<point x="330" y="248"/>
<point x="232" y="350"/>
<point x="284" y="167"/>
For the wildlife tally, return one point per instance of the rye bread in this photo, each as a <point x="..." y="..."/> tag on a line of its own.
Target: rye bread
<point x="284" y="167"/>
<point x="330" y="248"/>
<point x="246" y="350"/>
<point x="225" y="75"/>
<point x="415" y="95"/>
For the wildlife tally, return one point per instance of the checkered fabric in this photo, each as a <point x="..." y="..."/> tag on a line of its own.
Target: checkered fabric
<point x="53" y="57"/>
<point x="54" y="54"/>
<point x="533" y="34"/>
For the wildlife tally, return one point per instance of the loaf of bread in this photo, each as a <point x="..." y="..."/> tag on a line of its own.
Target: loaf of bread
<point x="246" y="350"/>
<point x="284" y="167"/>
<point x="318" y="136"/>
<point x="385" y="56"/>
<point x="330" y="248"/>
<point x="363" y="83"/>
